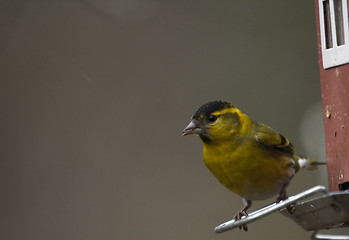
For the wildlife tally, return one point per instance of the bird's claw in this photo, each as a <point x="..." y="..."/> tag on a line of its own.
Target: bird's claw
<point x="238" y="216"/>
<point x="282" y="196"/>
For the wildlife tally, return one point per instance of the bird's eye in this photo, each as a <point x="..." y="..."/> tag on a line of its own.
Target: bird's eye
<point x="212" y="118"/>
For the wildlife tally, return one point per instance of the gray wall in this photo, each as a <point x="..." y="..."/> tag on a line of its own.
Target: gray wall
<point x="94" y="96"/>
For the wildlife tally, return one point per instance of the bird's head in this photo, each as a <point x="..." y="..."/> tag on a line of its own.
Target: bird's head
<point x="214" y="122"/>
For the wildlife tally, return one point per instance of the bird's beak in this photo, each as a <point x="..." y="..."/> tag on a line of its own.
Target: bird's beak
<point x="192" y="128"/>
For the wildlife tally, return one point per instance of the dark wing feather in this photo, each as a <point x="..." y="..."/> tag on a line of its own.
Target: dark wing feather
<point x="272" y="140"/>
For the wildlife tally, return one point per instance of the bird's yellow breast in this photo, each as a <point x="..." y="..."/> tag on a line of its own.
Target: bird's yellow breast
<point x="248" y="170"/>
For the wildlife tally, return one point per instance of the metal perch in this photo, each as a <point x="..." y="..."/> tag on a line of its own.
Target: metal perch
<point x="263" y="212"/>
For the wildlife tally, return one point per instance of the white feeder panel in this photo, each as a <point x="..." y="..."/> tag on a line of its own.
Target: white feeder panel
<point x="336" y="24"/>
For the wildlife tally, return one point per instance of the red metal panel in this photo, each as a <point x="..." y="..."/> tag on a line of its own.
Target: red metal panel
<point x="335" y="100"/>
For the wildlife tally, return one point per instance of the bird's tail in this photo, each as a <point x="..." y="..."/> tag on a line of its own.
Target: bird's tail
<point x="307" y="163"/>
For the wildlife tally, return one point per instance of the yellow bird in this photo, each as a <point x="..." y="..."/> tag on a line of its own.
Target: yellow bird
<point x="247" y="157"/>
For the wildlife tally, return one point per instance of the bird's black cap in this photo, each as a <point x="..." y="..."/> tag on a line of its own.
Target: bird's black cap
<point x="211" y="107"/>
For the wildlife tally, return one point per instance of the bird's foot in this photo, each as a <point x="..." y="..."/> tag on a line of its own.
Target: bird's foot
<point x="238" y="216"/>
<point x="282" y="196"/>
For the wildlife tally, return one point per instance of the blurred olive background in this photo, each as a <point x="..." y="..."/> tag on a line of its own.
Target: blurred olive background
<point x="95" y="94"/>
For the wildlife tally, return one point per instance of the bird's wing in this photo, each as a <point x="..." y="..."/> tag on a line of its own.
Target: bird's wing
<point x="272" y="140"/>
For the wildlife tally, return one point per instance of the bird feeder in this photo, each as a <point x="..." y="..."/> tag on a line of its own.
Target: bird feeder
<point x="333" y="43"/>
<point x="318" y="208"/>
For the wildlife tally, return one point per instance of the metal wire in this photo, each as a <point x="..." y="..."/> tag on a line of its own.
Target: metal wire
<point x="263" y="212"/>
